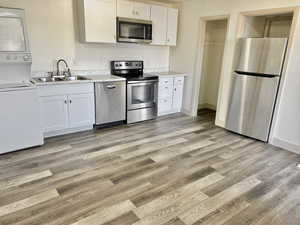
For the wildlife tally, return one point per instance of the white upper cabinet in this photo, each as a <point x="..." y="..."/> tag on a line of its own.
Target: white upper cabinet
<point x="133" y="10"/>
<point x="159" y="17"/>
<point x="98" y="20"/>
<point x="125" y="9"/>
<point x="142" y="11"/>
<point x="172" y="26"/>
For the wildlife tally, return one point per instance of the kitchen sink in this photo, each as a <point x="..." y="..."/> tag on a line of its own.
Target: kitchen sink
<point x="57" y="79"/>
<point x="75" y="78"/>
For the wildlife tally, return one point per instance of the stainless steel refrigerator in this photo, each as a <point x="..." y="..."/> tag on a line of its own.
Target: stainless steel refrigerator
<point x="259" y="63"/>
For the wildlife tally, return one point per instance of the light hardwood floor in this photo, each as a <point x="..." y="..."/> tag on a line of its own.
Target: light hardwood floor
<point x="172" y="171"/>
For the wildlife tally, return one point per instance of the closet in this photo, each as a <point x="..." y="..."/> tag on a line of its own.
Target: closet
<point x="214" y="44"/>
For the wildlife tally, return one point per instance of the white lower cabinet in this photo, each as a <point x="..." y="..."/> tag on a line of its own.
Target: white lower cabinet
<point x="170" y="95"/>
<point x="67" y="108"/>
<point x="54" y="113"/>
<point x="81" y="110"/>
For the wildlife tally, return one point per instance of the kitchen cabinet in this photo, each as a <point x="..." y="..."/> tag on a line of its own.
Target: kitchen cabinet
<point x="133" y="10"/>
<point x="97" y="20"/>
<point x="159" y="17"/>
<point x="172" y="27"/>
<point x="81" y="110"/>
<point x="165" y="22"/>
<point x="178" y="93"/>
<point x="170" y="94"/>
<point x="54" y="113"/>
<point x="67" y="108"/>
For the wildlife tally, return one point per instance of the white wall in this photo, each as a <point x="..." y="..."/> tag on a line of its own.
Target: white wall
<point x="53" y="34"/>
<point x="183" y="59"/>
<point x="212" y="63"/>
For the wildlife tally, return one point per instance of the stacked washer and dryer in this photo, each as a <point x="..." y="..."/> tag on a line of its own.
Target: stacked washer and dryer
<point x="19" y="111"/>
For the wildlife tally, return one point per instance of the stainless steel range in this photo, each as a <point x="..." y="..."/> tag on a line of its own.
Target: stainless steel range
<point x="142" y="90"/>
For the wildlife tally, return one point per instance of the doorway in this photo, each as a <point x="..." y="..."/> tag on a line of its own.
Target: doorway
<point x="213" y="52"/>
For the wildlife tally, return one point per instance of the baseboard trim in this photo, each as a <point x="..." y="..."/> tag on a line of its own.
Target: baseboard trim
<point x="220" y="123"/>
<point x="207" y="106"/>
<point x="67" y="131"/>
<point x="285" y="145"/>
<point x="187" y="112"/>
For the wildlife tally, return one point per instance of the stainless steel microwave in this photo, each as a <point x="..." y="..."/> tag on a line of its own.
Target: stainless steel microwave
<point x="134" y="31"/>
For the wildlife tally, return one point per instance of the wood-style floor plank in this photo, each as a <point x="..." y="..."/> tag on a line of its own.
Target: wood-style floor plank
<point x="175" y="170"/>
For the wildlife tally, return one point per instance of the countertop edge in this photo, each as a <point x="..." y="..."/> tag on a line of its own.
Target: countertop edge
<point x="100" y="80"/>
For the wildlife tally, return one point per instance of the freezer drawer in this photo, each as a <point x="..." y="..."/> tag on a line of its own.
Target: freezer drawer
<point x="261" y="55"/>
<point x="110" y="102"/>
<point x="251" y="106"/>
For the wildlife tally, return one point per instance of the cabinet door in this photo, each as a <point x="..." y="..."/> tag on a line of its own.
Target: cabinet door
<point x="81" y="110"/>
<point x="165" y="105"/>
<point x="54" y="113"/>
<point x="177" y="97"/>
<point x="125" y="9"/>
<point x="100" y="20"/>
<point x="172" y="26"/>
<point x="159" y="17"/>
<point x="142" y="11"/>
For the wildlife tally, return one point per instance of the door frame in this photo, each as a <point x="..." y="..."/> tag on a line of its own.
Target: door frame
<point x="200" y="56"/>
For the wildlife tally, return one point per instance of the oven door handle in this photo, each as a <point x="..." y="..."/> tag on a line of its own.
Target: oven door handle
<point x="143" y="81"/>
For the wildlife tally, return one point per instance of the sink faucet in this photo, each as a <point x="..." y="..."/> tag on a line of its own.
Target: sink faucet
<point x="63" y="73"/>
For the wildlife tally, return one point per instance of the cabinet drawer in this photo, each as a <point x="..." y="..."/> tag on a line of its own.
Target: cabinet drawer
<point x="165" y="104"/>
<point x="165" y="91"/>
<point x="65" y="89"/>
<point x="179" y="81"/>
<point x="166" y="82"/>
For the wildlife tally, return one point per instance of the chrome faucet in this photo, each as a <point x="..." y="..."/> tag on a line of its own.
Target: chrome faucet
<point x="63" y="74"/>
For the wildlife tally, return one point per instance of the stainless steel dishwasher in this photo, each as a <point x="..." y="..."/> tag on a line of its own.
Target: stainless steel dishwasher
<point x="110" y="102"/>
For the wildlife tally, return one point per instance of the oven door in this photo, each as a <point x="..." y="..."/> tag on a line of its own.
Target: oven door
<point x="134" y="31"/>
<point x="142" y="94"/>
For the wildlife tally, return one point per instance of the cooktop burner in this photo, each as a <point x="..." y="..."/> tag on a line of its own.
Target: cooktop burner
<point x="131" y="70"/>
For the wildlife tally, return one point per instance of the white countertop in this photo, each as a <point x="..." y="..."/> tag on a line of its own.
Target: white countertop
<point x="104" y="78"/>
<point x="91" y="79"/>
<point x="17" y="86"/>
<point x="171" y="74"/>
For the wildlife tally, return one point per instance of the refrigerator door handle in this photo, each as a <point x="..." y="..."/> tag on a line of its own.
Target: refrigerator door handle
<point x="255" y="74"/>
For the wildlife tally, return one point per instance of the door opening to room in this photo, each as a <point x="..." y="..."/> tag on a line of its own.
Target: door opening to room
<point x="215" y="36"/>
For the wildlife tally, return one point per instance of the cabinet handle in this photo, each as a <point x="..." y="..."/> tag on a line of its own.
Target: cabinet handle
<point x="70" y="101"/>
<point x="66" y="102"/>
<point x="111" y="86"/>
